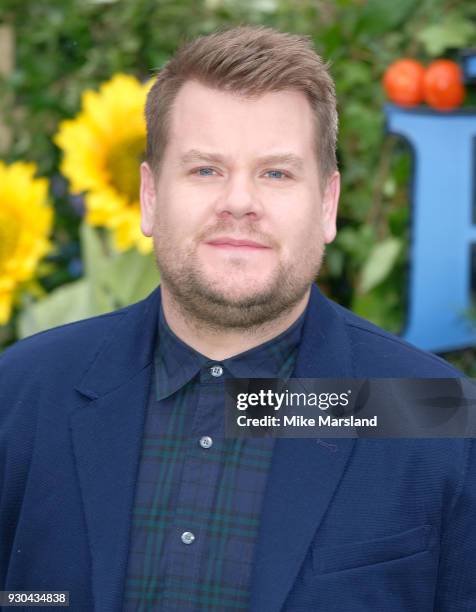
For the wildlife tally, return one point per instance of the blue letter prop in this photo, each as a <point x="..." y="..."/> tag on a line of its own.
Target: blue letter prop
<point x="443" y="232"/>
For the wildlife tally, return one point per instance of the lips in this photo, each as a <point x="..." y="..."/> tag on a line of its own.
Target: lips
<point x="235" y="242"/>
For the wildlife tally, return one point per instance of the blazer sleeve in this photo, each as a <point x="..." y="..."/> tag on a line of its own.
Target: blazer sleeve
<point x="17" y="431"/>
<point x="456" y="586"/>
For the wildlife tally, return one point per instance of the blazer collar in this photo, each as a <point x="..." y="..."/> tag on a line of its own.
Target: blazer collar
<point x="107" y="433"/>
<point x="126" y="350"/>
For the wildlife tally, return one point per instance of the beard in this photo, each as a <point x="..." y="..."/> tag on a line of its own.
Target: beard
<point x="221" y="305"/>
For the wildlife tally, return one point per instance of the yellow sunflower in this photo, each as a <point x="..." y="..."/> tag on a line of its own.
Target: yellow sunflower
<point x="102" y="149"/>
<point x="25" y="223"/>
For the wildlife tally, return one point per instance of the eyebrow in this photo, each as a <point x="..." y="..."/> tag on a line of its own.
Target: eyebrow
<point x="290" y="159"/>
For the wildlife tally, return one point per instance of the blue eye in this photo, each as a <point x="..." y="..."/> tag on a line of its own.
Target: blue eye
<point x="203" y="171"/>
<point x="275" y="172"/>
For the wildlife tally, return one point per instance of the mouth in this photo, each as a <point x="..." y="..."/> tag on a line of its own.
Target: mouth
<point x="234" y="243"/>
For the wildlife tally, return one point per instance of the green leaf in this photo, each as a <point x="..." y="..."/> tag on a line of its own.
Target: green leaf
<point x="334" y="261"/>
<point x="452" y="32"/>
<point x="95" y="253"/>
<point x="120" y="278"/>
<point x="353" y="74"/>
<point x="69" y="303"/>
<point x="378" y="307"/>
<point x="112" y="280"/>
<point x="379" y="263"/>
<point x="379" y="16"/>
<point x="130" y="277"/>
<point x="97" y="258"/>
<point x="357" y="242"/>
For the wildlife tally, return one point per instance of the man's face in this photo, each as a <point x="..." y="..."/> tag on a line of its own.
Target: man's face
<point x="235" y="210"/>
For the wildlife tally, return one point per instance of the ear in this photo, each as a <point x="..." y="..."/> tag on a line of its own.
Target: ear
<point x="148" y="199"/>
<point x="330" y="203"/>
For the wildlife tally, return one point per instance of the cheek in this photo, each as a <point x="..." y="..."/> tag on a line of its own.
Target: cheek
<point x="177" y="227"/>
<point x="182" y="207"/>
<point x="300" y="232"/>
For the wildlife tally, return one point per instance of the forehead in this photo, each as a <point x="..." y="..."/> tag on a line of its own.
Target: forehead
<point x="223" y="121"/>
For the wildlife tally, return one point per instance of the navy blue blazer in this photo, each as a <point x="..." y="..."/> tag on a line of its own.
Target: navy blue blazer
<point x="347" y="525"/>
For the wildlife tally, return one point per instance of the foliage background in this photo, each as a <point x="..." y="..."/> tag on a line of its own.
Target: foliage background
<point x="66" y="46"/>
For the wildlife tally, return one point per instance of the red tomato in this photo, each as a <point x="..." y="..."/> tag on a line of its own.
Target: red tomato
<point x="443" y="85"/>
<point x="403" y="82"/>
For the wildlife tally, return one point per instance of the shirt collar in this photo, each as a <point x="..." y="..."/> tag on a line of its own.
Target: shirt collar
<point x="176" y="363"/>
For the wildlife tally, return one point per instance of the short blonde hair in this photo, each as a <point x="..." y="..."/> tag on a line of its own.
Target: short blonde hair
<point x="250" y="61"/>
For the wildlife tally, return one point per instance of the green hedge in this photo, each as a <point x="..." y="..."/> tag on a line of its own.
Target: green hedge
<point x="66" y="46"/>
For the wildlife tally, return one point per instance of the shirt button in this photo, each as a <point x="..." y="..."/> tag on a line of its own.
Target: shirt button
<point x="187" y="537"/>
<point x="206" y="441"/>
<point x="216" y="371"/>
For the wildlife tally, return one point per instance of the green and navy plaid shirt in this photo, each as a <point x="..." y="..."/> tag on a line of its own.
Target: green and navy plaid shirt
<point x="198" y="496"/>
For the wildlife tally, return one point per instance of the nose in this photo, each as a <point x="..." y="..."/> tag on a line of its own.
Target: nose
<point x="239" y="197"/>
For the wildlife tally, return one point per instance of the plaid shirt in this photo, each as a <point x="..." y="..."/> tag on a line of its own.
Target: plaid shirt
<point x="199" y="495"/>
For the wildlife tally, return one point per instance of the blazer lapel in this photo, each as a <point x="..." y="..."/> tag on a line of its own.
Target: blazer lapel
<point x="106" y="430"/>
<point x="304" y="473"/>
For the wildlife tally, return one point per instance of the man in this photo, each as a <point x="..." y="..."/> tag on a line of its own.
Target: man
<point x="117" y="482"/>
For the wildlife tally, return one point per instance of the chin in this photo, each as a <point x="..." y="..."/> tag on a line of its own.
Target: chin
<point x="244" y="284"/>
<point x="240" y="292"/>
<point x="234" y="276"/>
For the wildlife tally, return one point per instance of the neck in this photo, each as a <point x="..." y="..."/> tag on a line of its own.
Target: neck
<point x="218" y="344"/>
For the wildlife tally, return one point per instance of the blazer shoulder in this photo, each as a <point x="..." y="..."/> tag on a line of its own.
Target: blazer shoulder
<point x="75" y="342"/>
<point x="390" y="355"/>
